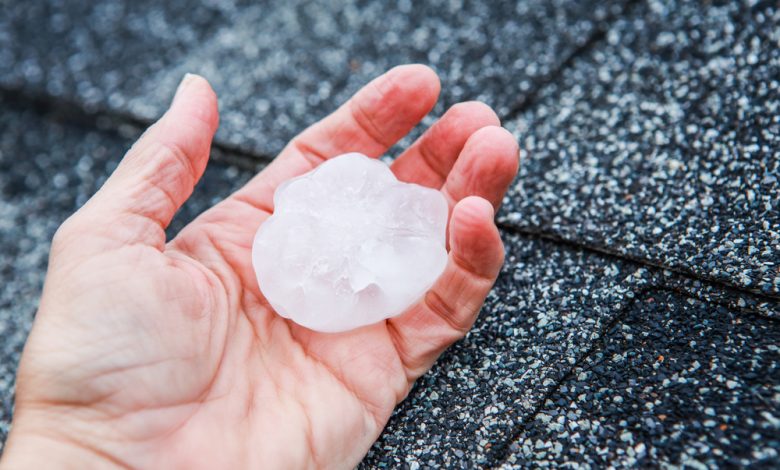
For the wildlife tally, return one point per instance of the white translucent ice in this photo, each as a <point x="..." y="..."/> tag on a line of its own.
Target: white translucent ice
<point x="349" y="245"/>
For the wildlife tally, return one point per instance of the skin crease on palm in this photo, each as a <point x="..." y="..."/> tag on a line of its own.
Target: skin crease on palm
<point x="153" y="354"/>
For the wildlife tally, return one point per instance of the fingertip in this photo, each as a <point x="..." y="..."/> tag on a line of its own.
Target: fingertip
<point x="422" y="74"/>
<point x="195" y="98"/>
<point x="420" y="81"/>
<point x="509" y="141"/>
<point x="501" y="146"/>
<point x="190" y="122"/>
<point x="474" y="208"/>
<point x="497" y="141"/>
<point x="477" y="113"/>
<point x="461" y="122"/>
<point x="474" y="237"/>
<point x="472" y="219"/>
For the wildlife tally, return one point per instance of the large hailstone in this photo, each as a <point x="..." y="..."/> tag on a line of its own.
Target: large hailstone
<point x="349" y="245"/>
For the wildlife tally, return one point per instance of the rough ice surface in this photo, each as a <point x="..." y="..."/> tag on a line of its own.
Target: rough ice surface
<point x="349" y="245"/>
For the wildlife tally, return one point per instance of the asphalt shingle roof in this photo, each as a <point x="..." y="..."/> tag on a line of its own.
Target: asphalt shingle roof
<point x="676" y="382"/>
<point x="635" y="321"/>
<point x="282" y="65"/>
<point x="661" y="144"/>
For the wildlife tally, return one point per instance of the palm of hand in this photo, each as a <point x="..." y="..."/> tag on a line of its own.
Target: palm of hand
<point x="150" y="353"/>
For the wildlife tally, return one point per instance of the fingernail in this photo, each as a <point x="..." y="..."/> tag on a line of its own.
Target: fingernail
<point x="185" y="81"/>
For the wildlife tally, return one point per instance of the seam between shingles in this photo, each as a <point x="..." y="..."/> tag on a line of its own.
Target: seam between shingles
<point x="59" y="108"/>
<point x="243" y="157"/>
<point x="503" y="450"/>
<point x="687" y="274"/>
<point x="523" y="103"/>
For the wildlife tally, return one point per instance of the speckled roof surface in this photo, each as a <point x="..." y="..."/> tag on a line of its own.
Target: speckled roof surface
<point x="281" y="65"/>
<point x="662" y="144"/>
<point x="635" y="321"/>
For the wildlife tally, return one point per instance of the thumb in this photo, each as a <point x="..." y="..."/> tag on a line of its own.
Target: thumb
<point x="159" y="172"/>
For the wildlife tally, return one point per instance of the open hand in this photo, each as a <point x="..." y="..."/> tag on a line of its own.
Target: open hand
<point x="166" y="355"/>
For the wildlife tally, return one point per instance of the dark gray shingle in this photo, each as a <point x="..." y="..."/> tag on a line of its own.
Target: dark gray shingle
<point x="674" y="383"/>
<point x="279" y="66"/>
<point x="661" y="144"/>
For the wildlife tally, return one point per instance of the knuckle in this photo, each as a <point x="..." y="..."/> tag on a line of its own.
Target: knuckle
<point x="450" y="314"/>
<point x="170" y="175"/>
<point x="171" y="158"/>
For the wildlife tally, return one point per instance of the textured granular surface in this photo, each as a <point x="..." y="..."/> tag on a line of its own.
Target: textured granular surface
<point x="279" y="66"/>
<point x="99" y="54"/>
<point x="641" y="398"/>
<point x="635" y="320"/>
<point x="662" y="144"/>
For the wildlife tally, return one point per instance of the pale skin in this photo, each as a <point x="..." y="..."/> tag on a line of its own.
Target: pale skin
<point x="153" y="354"/>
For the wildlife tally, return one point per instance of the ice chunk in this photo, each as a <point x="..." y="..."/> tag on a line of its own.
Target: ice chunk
<point x="349" y="245"/>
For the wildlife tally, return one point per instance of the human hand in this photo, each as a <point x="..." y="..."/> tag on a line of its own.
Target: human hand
<point x="152" y="354"/>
